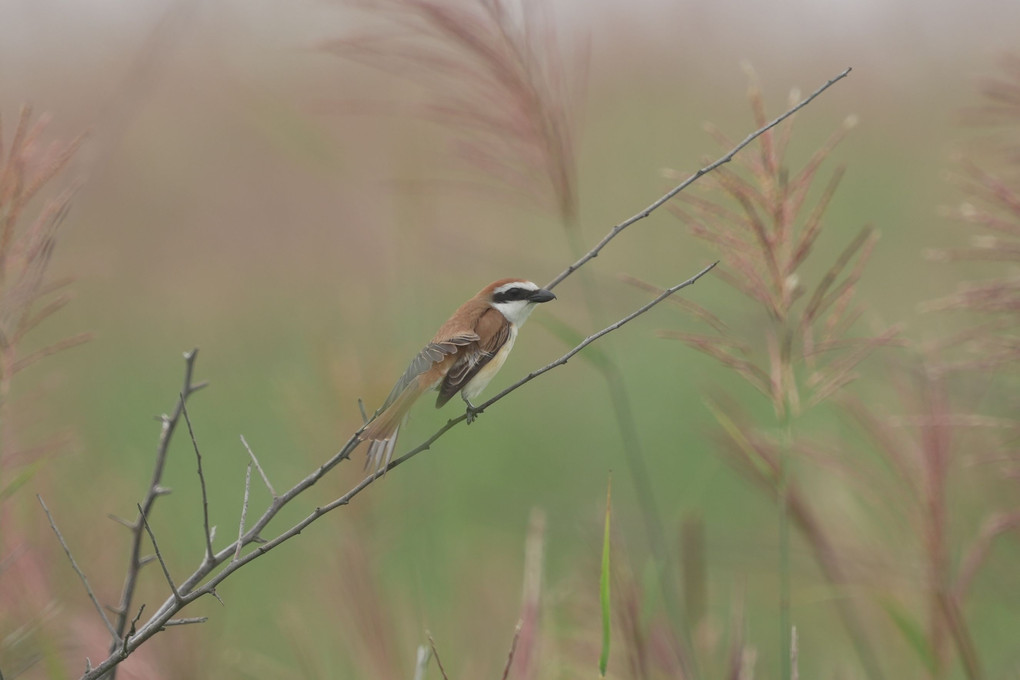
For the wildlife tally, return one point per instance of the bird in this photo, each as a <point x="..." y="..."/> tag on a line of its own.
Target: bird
<point x="464" y="355"/>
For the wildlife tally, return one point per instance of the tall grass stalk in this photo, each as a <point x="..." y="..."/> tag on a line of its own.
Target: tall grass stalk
<point x="765" y="228"/>
<point x="31" y="214"/>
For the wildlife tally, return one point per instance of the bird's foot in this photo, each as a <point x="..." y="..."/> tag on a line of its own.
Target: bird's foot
<point x="471" y="412"/>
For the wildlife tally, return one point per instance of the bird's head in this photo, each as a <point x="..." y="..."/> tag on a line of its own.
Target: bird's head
<point x="515" y="298"/>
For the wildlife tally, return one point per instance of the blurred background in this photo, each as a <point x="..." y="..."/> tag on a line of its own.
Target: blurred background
<point x="305" y="213"/>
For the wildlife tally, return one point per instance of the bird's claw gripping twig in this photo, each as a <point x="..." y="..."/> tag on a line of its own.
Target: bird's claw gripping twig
<point x="471" y="412"/>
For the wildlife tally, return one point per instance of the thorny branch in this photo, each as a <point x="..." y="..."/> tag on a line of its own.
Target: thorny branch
<point x="203" y="582"/>
<point x="156" y="489"/>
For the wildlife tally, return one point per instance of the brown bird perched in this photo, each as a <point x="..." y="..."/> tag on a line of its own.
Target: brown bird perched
<point x="465" y="354"/>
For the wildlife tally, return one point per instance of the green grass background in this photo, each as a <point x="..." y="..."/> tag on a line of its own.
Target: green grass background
<point x="231" y="205"/>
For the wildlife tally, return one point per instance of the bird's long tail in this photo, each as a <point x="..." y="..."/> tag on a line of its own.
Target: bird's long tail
<point x="381" y="433"/>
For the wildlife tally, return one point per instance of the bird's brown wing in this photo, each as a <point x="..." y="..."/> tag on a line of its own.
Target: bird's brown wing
<point x="471" y="358"/>
<point x="433" y="353"/>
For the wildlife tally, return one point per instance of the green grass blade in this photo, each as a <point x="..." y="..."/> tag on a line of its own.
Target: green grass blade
<point x="604" y="585"/>
<point x="912" y="632"/>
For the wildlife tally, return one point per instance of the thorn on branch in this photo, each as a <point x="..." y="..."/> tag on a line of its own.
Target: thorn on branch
<point x="185" y="622"/>
<point x="120" y="520"/>
<point x="244" y="511"/>
<point x="262" y="473"/>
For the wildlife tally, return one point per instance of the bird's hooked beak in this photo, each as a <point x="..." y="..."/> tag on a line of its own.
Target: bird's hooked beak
<point x="541" y="295"/>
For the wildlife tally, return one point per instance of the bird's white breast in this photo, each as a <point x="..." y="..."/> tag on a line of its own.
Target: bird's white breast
<point x="489" y="370"/>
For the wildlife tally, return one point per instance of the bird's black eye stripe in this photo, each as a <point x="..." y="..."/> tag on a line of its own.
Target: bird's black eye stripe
<point x="511" y="294"/>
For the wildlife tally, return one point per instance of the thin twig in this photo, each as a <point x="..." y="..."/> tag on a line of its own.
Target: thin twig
<point x="131" y="631"/>
<point x="258" y="467"/>
<point x="201" y="482"/>
<point x="513" y="648"/>
<point x="244" y="511"/>
<point x="435" y="653"/>
<point x="77" y="569"/>
<point x="159" y="556"/>
<point x="722" y="160"/>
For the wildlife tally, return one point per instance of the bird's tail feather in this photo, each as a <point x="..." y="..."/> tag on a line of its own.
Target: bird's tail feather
<point x="380" y="451"/>
<point x="382" y="432"/>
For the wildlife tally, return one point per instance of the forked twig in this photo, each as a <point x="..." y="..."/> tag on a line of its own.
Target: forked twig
<point x="135" y="561"/>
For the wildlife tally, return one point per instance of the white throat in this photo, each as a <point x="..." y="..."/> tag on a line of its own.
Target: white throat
<point x="515" y="311"/>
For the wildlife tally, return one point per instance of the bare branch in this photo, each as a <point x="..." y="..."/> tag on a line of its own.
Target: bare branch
<point x="203" y="581"/>
<point x="156" y="489"/>
<point x="722" y="160"/>
<point x="201" y="481"/>
<point x="188" y="591"/>
<point x="77" y="569"/>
